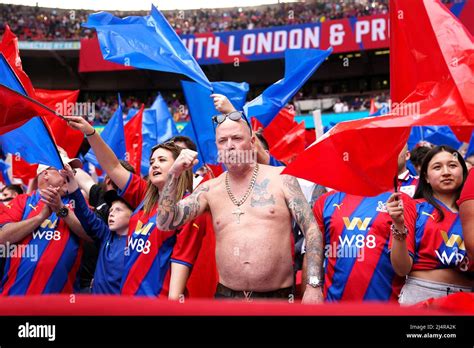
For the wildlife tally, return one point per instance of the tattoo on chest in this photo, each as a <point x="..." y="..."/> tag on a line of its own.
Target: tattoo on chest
<point x="261" y="197"/>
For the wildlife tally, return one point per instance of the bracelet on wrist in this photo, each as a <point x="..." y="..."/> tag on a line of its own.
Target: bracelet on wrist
<point x="399" y="235"/>
<point x="89" y="135"/>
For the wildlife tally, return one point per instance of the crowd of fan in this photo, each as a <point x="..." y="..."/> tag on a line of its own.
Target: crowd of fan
<point x="106" y="105"/>
<point x="35" y="23"/>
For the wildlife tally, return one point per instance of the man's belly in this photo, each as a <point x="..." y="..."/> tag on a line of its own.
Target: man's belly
<point x="255" y="259"/>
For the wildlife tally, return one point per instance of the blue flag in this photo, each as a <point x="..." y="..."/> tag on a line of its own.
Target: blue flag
<point x="147" y="42"/>
<point x="8" y="76"/>
<point x="437" y="135"/>
<point x="32" y="141"/>
<point x="202" y="109"/>
<point x="114" y="135"/>
<point x="157" y="127"/>
<point x="300" y="64"/>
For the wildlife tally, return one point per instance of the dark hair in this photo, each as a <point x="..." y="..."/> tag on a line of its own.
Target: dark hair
<point x="262" y="139"/>
<point x="418" y="154"/>
<point x="184" y="139"/>
<point x="15" y="188"/>
<point x="424" y="189"/>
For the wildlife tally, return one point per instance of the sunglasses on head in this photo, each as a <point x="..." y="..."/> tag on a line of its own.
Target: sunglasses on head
<point x="234" y="116"/>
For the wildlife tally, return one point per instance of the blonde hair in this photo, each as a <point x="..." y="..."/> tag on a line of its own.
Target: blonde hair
<point x="185" y="181"/>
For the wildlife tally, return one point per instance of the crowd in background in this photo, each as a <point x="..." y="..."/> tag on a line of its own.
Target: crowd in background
<point x="36" y="23"/>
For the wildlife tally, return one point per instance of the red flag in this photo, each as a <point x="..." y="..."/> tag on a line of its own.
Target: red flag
<point x="290" y="145"/>
<point x="133" y="139"/>
<point x="64" y="102"/>
<point x="9" y="48"/>
<point x="414" y="61"/>
<point x="285" y="137"/>
<point x="17" y="109"/>
<point x="23" y="170"/>
<point x="360" y="157"/>
<point x="280" y="125"/>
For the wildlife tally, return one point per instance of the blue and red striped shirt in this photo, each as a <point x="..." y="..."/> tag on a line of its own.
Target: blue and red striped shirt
<point x="356" y="234"/>
<point x="150" y="251"/>
<point x="436" y="244"/>
<point x="47" y="260"/>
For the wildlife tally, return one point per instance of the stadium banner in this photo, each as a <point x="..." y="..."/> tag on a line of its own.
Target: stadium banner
<point x="234" y="47"/>
<point x="344" y="35"/>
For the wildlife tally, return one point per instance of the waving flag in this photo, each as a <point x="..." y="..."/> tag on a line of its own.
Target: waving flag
<point x="436" y="135"/>
<point x="147" y="42"/>
<point x="360" y="157"/>
<point x="114" y="135"/>
<point x="22" y="132"/>
<point x="32" y="143"/>
<point x="63" y="102"/>
<point x="300" y="64"/>
<point x="9" y="48"/>
<point x="134" y="140"/>
<point x="202" y="109"/>
<point x="285" y="137"/>
<point x="158" y="126"/>
<point x="27" y="138"/>
<point x="17" y="108"/>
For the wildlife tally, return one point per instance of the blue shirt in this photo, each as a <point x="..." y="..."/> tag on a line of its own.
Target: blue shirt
<point x="275" y="163"/>
<point x="110" y="263"/>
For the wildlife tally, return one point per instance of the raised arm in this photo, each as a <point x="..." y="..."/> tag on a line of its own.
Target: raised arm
<point x="172" y="213"/>
<point x="301" y="212"/>
<point x="93" y="225"/>
<point x="84" y="180"/>
<point x="106" y="157"/>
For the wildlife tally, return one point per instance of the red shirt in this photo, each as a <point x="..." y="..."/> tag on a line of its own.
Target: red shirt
<point x="52" y="252"/>
<point x="150" y="251"/>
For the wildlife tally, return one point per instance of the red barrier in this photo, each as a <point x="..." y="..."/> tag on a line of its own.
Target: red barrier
<point x="82" y="305"/>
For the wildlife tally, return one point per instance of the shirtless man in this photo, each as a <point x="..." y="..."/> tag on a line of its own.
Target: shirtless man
<point x="251" y="207"/>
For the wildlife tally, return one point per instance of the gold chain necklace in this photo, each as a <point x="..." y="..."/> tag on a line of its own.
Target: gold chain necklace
<point x="237" y="212"/>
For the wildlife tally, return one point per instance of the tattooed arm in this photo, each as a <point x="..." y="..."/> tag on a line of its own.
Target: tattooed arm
<point x="303" y="215"/>
<point x="171" y="212"/>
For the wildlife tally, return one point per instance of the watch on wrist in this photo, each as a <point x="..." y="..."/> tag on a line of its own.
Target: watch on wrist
<point x="314" y="281"/>
<point x="63" y="212"/>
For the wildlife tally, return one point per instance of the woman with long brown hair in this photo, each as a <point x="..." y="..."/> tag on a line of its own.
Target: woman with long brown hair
<point x="150" y="251"/>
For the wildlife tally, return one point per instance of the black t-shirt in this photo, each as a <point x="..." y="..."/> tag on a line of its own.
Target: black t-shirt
<point x="91" y="250"/>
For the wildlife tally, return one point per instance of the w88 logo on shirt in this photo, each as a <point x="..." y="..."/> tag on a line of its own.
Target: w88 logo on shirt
<point x="139" y="245"/>
<point x="48" y="235"/>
